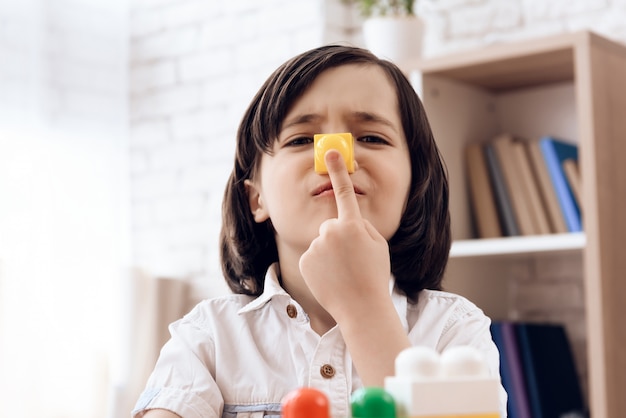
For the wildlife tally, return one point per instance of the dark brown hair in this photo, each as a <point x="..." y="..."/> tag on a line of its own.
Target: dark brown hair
<point x="419" y="248"/>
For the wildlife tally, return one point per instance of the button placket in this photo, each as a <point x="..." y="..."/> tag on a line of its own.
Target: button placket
<point x="328" y="370"/>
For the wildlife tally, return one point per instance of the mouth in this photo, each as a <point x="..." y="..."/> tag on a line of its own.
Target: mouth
<point x="327" y="188"/>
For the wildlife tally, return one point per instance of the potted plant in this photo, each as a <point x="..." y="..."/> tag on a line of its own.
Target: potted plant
<point x="391" y="28"/>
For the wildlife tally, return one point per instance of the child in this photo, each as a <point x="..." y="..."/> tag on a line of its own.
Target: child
<point x="333" y="274"/>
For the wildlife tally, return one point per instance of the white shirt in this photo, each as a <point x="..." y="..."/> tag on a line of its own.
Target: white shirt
<point x="238" y="356"/>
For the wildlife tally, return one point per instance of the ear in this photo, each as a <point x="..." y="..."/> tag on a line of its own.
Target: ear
<point x="258" y="209"/>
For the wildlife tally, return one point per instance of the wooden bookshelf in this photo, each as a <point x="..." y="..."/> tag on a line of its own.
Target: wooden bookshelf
<point x="571" y="86"/>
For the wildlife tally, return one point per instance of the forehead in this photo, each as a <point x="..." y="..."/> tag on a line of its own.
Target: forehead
<point x="356" y="87"/>
<point x="359" y="80"/>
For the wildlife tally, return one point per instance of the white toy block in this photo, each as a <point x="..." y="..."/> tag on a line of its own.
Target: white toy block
<point x="453" y="384"/>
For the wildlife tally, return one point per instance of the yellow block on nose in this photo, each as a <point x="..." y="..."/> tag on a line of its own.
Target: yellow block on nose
<point x="343" y="142"/>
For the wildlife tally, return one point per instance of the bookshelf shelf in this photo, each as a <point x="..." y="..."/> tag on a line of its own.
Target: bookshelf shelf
<point x="516" y="246"/>
<point x="571" y="86"/>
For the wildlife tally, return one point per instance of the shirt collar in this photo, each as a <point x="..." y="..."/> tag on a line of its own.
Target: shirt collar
<point x="272" y="289"/>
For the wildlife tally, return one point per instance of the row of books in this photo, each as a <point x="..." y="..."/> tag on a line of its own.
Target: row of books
<point x="524" y="187"/>
<point x="538" y="370"/>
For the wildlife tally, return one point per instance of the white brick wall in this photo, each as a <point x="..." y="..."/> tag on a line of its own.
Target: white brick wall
<point x="63" y="64"/>
<point x="454" y="25"/>
<point x="195" y="65"/>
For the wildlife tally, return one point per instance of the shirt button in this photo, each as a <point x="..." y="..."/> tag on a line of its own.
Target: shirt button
<point x="327" y="371"/>
<point x="292" y="312"/>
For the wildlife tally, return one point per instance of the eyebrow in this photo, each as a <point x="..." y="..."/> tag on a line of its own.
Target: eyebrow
<point x="301" y="119"/>
<point x="372" y="117"/>
<point x="360" y="116"/>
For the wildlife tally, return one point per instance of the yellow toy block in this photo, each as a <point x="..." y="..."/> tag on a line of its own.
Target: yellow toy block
<point x="342" y="142"/>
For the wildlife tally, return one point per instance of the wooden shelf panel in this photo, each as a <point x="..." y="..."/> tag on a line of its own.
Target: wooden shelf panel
<point x="518" y="246"/>
<point x="500" y="67"/>
<point x="515" y="72"/>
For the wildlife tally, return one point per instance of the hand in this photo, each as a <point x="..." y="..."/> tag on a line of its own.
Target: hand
<point x="347" y="267"/>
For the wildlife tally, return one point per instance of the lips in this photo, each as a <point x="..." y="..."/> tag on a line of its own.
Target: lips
<point x="328" y="187"/>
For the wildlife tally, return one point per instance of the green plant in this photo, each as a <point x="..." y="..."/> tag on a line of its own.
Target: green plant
<point x="370" y="8"/>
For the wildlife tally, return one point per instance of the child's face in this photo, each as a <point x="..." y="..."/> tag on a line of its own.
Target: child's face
<point x="351" y="98"/>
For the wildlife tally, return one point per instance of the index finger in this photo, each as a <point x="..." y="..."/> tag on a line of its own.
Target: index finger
<point x="345" y="197"/>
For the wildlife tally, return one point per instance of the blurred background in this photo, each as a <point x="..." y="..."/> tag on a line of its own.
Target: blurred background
<point x="117" y="125"/>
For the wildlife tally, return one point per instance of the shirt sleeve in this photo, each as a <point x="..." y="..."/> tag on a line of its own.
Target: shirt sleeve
<point x="181" y="381"/>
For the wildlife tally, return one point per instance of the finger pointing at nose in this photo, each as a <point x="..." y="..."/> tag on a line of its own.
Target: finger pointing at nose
<point x="345" y="197"/>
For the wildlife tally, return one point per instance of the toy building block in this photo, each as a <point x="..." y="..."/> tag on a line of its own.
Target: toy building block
<point x="343" y="142"/>
<point x="454" y="384"/>
<point x="372" y="402"/>
<point x="305" y="403"/>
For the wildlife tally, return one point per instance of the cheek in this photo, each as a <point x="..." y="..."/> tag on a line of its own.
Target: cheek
<point x="284" y="163"/>
<point x="398" y="177"/>
<point x="278" y="183"/>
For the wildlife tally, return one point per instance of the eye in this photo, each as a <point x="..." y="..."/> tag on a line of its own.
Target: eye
<point x="372" y="139"/>
<point x="299" y="141"/>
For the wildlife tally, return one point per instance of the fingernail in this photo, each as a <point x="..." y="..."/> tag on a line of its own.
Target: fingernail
<point x="332" y="156"/>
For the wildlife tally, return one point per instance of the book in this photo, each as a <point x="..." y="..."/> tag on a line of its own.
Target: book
<point x="519" y="407"/>
<point x="555" y="151"/>
<point x="508" y="221"/>
<point x="505" y="370"/>
<point x="538" y="212"/>
<point x="570" y="167"/>
<point x="552" y="383"/>
<point x="511" y="172"/>
<point x="481" y="194"/>
<point x="546" y="189"/>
